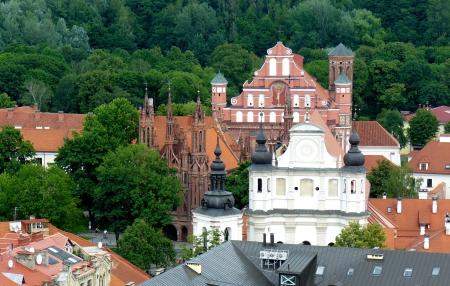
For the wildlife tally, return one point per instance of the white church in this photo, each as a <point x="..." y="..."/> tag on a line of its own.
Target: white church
<point x="308" y="195"/>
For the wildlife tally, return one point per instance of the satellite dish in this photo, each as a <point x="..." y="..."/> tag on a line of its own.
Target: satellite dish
<point x="32" y="249"/>
<point x="39" y="259"/>
<point x="100" y="244"/>
<point x="10" y="263"/>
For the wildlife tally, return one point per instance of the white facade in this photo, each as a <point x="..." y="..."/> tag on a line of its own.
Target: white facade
<point x="391" y="153"/>
<point x="307" y="197"/>
<point x="231" y="224"/>
<point x="46" y="158"/>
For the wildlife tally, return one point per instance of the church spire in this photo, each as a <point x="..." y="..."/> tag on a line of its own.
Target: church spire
<point x="261" y="155"/>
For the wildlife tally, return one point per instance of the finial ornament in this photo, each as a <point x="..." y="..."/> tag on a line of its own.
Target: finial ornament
<point x="169" y="83"/>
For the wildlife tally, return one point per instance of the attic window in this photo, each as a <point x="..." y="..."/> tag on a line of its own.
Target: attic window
<point x="435" y="271"/>
<point x="407" y="272"/>
<point x="46" y="127"/>
<point x="423" y="166"/>
<point x="350" y="271"/>
<point x="377" y="270"/>
<point x="38" y="127"/>
<point x="447" y="166"/>
<point x="320" y="270"/>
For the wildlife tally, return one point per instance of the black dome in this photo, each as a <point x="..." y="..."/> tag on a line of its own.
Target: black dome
<point x="261" y="155"/>
<point x="354" y="157"/>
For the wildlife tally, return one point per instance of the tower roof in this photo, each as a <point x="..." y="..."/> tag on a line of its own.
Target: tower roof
<point x="261" y="156"/>
<point x="219" y="79"/>
<point x="343" y="79"/>
<point x="354" y="159"/>
<point x="341" y="50"/>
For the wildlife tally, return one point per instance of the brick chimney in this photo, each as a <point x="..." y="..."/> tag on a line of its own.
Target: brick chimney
<point x="23" y="240"/>
<point x="44" y="256"/>
<point x="426" y="241"/>
<point x="434" y="205"/>
<point x="37" y="115"/>
<point x="60" y="116"/>
<point x="399" y="205"/>
<point x="10" y="113"/>
<point x="35" y="106"/>
<point x="26" y="258"/>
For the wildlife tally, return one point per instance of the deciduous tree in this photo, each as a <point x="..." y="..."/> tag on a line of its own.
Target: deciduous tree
<point x="378" y="178"/>
<point x="237" y="183"/>
<point x="14" y="151"/>
<point x="202" y="243"/>
<point x="392" y="121"/>
<point x="143" y="246"/>
<point x="401" y="183"/>
<point x="422" y="127"/>
<point x="355" y="235"/>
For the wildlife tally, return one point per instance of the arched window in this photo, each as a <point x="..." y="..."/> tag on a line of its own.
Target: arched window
<point x="296" y="117"/>
<point x="306" y="188"/>
<point x="296" y="100"/>
<point x="353" y="187"/>
<point x="259" y="185"/>
<point x="281" y="187"/>
<point x="273" y="67"/>
<point x="250" y="99"/>
<point x="332" y="187"/>
<point x="238" y="116"/>
<point x="227" y="234"/>
<point x="286" y="71"/>
<point x="261" y="100"/>
<point x="307" y="100"/>
<point x="273" y="117"/>
<point x="250" y="116"/>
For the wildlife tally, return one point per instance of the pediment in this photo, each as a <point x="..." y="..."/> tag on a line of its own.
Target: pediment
<point x="306" y="128"/>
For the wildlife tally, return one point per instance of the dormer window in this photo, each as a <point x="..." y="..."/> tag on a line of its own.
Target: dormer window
<point x="423" y="166"/>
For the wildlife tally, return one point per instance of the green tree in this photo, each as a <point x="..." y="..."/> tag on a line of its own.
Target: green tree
<point x="14" y="151"/>
<point x="202" y="243"/>
<point x="422" y="127"/>
<point x="37" y="92"/>
<point x="5" y="101"/>
<point x="237" y="183"/>
<point x="447" y="127"/>
<point x="45" y="193"/>
<point x="401" y="183"/>
<point x="392" y="121"/>
<point x="136" y="182"/>
<point x="378" y="178"/>
<point x="143" y="246"/>
<point x="355" y="235"/>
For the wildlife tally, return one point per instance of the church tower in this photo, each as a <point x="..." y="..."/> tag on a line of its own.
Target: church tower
<point x="147" y="133"/>
<point x="219" y="95"/>
<point x="340" y="61"/>
<point x="199" y="160"/>
<point x="217" y="209"/>
<point x="170" y="132"/>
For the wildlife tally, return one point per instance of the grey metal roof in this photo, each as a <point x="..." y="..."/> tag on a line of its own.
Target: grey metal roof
<point x="212" y="212"/>
<point x="303" y="211"/>
<point x="341" y="50"/>
<point x="225" y="264"/>
<point x="238" y="263"/>
<point x="219" y="79"/>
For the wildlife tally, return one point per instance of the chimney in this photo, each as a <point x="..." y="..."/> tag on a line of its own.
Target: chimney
<point x="23" y="240"/>
<point x="447" y="224"/>
<point x="37" y="115"/>
<point x="264" y="240"/>
<point x="26" y="258"/>
<point x="384" y="195"/>
<point x="10" y="113"/>
<point x="44" y="256"/>
<point x="60" y="116"/>
<point x="399" y="205"/>
<point x="422" y="228"/>
<point x="35" y="106"/>
<point x="32" y="217"/>
<point x="272" y="239"/>
<point x="434" y="205"/>
<point x="426" y="241"/>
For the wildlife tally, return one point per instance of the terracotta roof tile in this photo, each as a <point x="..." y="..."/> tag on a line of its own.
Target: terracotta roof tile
<point x="331" y="143"/>
<point x="372" y="161"/>
<point x="442" y="114"/>
<point x="436" y="154"/>
<point x="372" y="133"/>
<point x="437" y="189"/>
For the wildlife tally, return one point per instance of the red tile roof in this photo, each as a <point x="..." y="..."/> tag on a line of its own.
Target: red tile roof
<point x="442" y="114"/>
<point x="436" y="154"/>
<point x="372" y="161"/>
<point x="372" y="133"/>
<point x="406" y="225"/>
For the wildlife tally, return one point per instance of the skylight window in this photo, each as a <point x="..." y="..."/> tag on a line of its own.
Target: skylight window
<point x="377" y="270"/>
<point x="407" y="272"/>
<point x="350" y="271"/>
<point x="435" y="271"/>
<point x="320" y="270"/>
<point x="52" y="249"/>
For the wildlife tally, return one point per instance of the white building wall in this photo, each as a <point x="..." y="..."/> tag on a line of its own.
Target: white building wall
<point x="391" y="153"/>
<point x="234" y="222"/>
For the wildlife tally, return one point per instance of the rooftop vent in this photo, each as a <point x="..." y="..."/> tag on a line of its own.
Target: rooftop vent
<point x="197" y="267"/>
<point x="375" y="256"/>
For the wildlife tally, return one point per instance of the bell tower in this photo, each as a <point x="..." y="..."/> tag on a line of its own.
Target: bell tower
<point x="219" y="95"/>
<point x="340" y="61"/>
<point x="147" y="133"/>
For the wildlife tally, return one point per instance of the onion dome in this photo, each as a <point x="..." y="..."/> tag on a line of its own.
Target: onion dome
<point x="261" y="155"/>
<point x="354" y="159"/>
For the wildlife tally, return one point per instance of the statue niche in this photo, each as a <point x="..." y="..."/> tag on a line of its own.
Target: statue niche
<point x="278" y="91"/>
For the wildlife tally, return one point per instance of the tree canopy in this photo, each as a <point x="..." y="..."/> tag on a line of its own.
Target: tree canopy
<point x="378" y="178"/>
<point x="14" y="151"/>
<point x="358" y="236"/>
<point x="392" y="121"/>
<point x="202" y="243"/>
<point x="422" y="127"/>
<point x="143" y="246"/>
<point x="237" y="183"/>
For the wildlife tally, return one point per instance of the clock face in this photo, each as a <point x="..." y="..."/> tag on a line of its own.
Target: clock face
<point x="214" y="89"/>
<point x="307" y="150"/>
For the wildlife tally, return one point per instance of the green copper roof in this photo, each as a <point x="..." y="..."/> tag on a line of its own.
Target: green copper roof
<point x="219" y="79"/>
<point x="343" y="79"/>
<point x="341" y="50"/>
